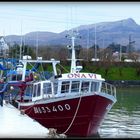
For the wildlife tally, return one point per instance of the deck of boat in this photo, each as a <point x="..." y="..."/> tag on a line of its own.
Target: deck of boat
<point x="15" y="125"/>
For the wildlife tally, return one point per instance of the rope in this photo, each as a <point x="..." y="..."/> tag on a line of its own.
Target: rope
<point x="73" y="116"/>
<point x="63" y="68"/>
<point x="43" y="72"/>
<point x="72" y="119"/>
<point x="29" y="108"/>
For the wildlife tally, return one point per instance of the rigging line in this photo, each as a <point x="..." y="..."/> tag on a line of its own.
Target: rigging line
<point x="36" y="44"/>
<point x="71" y="19"/>
<point x="63" y="67"/>
<point x="21" y="43"/>
<point x="66" y="18"/>
<point x="95" y="44"/>
<point x="76" y="19"/>
<point x="87" y="42"/>
<point x="43" y="72"/>
<point x="31" y="64"/>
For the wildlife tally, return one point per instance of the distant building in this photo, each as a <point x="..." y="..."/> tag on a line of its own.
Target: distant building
<point x="4" y="48"/>
<point x="95" y="59"/>
<point x="128" y="60"/>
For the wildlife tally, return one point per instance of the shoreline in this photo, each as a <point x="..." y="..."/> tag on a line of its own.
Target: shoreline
<point x="124" y="83"/>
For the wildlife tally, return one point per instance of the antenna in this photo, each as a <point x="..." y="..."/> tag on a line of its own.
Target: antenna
<point x="95" y="53"/>
<point x="87" y="42"/>
<point x="130" y="44"/>
<point x="95" y="44"/>
<point x="36" y="44"/>
<point x="120" y="52"/>
<point x="73" y="36"/>
<point x="71" y="21"/>
<point x="20" y="43"/>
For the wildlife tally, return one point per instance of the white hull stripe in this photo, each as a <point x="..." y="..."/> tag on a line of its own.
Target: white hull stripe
<point x="56" y="99"/>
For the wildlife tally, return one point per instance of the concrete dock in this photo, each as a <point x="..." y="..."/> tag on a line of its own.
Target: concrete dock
<point x="15" y="125"/>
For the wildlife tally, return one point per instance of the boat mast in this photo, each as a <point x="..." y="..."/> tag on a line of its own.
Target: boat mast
<point x="36" y="44"/>
<point x="20" y="55"/>
<point x="73" y="59"/>
<point x="72" y="36"/>
<point x="95" y="44"/>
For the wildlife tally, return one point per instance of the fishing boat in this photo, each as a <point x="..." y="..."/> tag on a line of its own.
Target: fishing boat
<point x="75" y="103"/>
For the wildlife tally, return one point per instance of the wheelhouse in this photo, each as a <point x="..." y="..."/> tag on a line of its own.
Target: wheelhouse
<point x="59" y="88"/>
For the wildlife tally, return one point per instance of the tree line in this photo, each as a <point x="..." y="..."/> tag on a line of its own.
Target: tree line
<point x="62" y="53"/>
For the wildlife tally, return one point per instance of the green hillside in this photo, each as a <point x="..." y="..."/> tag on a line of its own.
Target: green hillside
<point x="112" y="71"/>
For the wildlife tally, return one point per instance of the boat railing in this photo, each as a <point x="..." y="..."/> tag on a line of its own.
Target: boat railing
<point x="77" y="88"/>
<point x="108" y="89"/>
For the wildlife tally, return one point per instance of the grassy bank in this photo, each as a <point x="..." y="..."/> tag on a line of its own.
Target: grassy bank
<point x="111" y="71"/>
<point x="127" y="73"/>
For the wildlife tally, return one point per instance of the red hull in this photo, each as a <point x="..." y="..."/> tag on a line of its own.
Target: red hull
<point x="67" y="117"/>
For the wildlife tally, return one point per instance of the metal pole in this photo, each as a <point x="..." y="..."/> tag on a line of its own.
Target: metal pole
<point x="95" y="43"/>
<point x="21" y="43"/>
<point x="37" y="45"/>
<point x="120" y="52"/>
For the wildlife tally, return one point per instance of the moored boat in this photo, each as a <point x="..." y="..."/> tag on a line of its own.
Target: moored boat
<point x="74" y="103"/>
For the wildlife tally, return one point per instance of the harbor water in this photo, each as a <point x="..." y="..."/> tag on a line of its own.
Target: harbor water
<point x="123" y="120"/>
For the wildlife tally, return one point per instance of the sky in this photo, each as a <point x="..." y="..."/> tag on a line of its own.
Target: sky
<point x="19" y="18"/>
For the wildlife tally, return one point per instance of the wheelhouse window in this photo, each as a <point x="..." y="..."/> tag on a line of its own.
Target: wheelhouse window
<point x="16" y="77"/>
<point x="19" y="77"/>
<point x="85" y="86"/>
<point x="29" y="90"/>
<point x="75" y="86"/>
<point x="38" y="89"/>
<point x="94" y="86"/>
<point x="13" y="78"/>
<point x="34" y="90"/>
<point x="65" y="87"/>
<point x="55" y="87"/>
<point x="47" y="88"/>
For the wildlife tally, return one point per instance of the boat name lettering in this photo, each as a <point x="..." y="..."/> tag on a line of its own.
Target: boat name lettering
<point x="78" y="75"/>
<point x="46" y="109"/>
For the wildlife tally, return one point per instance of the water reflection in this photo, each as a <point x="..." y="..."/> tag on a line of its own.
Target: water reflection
<point x="123" y="121"/>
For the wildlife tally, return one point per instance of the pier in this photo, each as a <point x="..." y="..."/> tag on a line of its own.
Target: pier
<point x="15" y="125"/>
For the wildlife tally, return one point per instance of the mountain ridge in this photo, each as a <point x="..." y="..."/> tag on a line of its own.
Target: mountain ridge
<point x="106" y="33"/>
